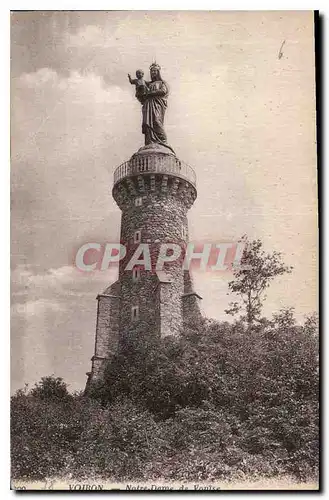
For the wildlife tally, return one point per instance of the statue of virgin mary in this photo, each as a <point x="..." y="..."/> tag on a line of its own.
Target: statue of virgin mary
<point x="154" y="107"/>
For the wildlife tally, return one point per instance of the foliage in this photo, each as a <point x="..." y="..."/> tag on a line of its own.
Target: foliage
<point x="229" y="401"/>
<point x="253" y="277"/>
<point x="50" y="388"/>
<point x="43" y="432"/>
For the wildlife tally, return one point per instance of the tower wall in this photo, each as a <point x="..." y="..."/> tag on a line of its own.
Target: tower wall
<point x="107" y="328"/>
<point x="192" y="315"/>
<point x="154" y="191"/>
<point x="156" y="205"/>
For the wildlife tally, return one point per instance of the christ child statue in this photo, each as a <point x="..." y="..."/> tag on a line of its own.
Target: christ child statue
<point x="140" y="85"/>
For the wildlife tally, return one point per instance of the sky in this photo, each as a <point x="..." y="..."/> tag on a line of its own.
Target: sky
<point x="239" y="112"/>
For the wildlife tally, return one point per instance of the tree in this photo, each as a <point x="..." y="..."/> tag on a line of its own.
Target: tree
<point x="252" y="278"/>
<point x="284" y="318"/>
<point x="50" y="388"/>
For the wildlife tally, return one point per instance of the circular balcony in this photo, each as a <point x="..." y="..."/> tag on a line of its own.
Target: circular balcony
<point x="155" y="163"/>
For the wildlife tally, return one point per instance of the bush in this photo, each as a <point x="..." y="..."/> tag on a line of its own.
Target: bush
<point x="225" y="402"/>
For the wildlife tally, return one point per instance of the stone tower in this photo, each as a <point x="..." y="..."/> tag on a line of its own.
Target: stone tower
<point x="154" y="190"/>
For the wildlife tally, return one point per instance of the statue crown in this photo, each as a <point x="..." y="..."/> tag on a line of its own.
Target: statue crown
<point x="155" y="66"/>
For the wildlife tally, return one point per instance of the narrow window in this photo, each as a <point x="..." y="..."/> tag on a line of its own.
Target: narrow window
<point x="137" y="236"/>
<point x="136" y="273"/>
<point x="135" y="313"/>
<point x="184" y="232"/>
<point x="138" y="201"/>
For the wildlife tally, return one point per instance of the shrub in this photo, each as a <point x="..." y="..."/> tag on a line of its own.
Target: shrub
<point x="229" y="401"/>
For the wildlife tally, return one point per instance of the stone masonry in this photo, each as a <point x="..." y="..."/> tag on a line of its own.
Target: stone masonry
<point x="154" y="191"/>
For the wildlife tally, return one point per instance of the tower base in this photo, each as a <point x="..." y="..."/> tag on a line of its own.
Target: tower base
<point x="108" y="340"/>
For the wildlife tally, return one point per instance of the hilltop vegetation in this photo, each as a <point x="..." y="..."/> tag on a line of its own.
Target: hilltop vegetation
<point x="224" y="401"/>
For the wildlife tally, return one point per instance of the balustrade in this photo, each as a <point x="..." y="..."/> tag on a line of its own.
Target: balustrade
<point x="155" y="163"/>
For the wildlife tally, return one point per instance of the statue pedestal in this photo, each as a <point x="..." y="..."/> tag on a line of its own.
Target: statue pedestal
<point x="155" y="148"/>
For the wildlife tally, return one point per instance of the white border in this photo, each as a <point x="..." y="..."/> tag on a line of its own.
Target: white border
<point x="4" y="170"/>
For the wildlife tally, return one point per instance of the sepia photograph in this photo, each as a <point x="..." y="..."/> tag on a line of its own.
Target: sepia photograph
<point x="164" y="250"/>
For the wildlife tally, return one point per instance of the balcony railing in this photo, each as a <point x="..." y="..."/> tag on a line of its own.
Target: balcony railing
<point x="155" y="163"/>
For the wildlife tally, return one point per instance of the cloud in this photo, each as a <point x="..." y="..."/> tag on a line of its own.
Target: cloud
<point x="43" y="76"/>
<point x="53" y="318"/>
<point x="76" y="89"/>
<point x="61" y="282"/>
<point x="36" y="307"/>
<point x="68" y="136"/>
<point x="90" y="35"/>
